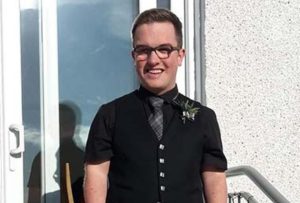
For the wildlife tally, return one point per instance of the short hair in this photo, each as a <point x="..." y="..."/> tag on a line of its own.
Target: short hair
<point x="158" y="15"/>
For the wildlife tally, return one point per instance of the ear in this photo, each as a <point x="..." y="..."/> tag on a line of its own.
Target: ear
<point x="181" y="55"/>
<point x="132" y="55"/>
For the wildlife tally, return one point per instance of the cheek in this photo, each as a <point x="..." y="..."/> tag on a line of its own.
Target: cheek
<point x="139" y="67"/>
<point x="171" y="71"/>
<point x="171" y="66"/>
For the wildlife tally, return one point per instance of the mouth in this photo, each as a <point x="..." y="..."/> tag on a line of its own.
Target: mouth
<point x="155" y="71"/>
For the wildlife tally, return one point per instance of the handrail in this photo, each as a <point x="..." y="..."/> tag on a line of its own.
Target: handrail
<point x="260" y="181"/>
<point x="247" y="196"/>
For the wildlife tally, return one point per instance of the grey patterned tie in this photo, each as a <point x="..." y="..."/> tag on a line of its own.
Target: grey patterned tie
<point x="156" y="118"/>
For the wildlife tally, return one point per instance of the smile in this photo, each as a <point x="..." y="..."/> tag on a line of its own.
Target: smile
<point x="155" y="71"/>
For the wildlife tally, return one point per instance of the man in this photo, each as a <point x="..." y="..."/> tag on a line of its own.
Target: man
<point x="154" y="144"/>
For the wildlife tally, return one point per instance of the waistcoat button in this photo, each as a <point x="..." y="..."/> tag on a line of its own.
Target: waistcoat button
<point x="161" y="147"/>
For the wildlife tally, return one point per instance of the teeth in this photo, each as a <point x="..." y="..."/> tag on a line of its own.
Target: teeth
<point x="155" y="71"/>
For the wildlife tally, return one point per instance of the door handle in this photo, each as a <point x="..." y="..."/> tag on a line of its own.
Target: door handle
<point x="18" y="131"/>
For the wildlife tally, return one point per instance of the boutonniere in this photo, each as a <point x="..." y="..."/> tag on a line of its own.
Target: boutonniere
<point x="188" y="110"/>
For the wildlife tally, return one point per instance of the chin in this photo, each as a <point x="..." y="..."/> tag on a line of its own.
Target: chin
<point x="154" y="86"/>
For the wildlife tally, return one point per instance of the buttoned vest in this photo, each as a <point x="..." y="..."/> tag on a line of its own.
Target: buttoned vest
<point x="145" y="170"/>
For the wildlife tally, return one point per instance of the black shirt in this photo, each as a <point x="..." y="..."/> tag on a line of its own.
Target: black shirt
<point x="100" y="139"/>
<point x="145" y="169"/>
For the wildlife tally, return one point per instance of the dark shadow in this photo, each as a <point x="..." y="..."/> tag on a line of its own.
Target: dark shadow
<point x="34" y="182"/>
<point x="70" y="117"/>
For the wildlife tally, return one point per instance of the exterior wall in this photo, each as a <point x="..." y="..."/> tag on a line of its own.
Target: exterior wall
<point x="253" y="84"/>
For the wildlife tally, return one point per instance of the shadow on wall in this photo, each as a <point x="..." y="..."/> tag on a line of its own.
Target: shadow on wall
<point x="68" y="152"/>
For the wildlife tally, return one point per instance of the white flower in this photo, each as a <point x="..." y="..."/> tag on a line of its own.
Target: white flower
<point x="188" y="110"/>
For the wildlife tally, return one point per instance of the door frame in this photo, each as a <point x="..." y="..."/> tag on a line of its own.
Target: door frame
<point x="11" y="126"/>
<point x="49" y="101"/>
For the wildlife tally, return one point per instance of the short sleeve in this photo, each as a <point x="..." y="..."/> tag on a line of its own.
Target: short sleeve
<point x="99" y="143"/>
<point x="213" y="151"/>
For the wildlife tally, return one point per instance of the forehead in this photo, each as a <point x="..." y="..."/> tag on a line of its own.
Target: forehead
<point x="154" y="34"/>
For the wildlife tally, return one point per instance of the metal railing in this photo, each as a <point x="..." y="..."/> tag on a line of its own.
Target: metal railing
<point x="261" y="182"/>
<point x="239" y="196"/>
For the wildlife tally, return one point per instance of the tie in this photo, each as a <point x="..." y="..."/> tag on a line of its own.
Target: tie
<point x="156" y="118"/>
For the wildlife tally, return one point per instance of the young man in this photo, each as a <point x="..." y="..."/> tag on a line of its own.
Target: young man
<point x="155" y="145"/>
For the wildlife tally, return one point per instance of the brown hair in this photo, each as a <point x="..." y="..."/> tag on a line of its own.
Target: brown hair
<point x="158" y="15"/>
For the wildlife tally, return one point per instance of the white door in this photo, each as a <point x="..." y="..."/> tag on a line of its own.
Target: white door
<point x="11" y="127"/>
<point x="90" y="39"/>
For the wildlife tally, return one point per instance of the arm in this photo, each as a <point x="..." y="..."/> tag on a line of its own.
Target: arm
<point x="215" y="188"/>
<point x="96" y="182"/>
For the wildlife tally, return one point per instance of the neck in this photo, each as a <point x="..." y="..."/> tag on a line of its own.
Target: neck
<point x="159" y="92"/>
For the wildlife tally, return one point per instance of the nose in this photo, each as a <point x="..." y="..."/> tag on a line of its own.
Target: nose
<point x="153" y="59"/>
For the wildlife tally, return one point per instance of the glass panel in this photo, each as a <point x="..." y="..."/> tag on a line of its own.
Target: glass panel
<point x="163" y="4"/>
<point x="31" y="100"/>
<point x="95" y="66"/>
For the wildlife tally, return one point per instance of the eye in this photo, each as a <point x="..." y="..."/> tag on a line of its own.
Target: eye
<point x="142" y="50"/>
<point x="164" y="49"/>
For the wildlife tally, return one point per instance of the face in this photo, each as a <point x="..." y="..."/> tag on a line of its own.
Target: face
<point x="155" y="74"/>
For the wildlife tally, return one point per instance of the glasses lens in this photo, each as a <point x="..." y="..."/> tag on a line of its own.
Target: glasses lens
<point x="141" y="52"/>
<point x="163" y="51"/>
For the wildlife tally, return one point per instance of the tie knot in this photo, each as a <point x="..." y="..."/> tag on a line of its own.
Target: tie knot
<point x="156" y="102"/>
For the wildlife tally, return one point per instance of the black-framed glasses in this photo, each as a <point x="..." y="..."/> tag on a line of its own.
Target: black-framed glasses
<point x="142" y="52"/>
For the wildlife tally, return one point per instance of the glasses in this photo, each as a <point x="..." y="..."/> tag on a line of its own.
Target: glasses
<point x="163" y="51"/>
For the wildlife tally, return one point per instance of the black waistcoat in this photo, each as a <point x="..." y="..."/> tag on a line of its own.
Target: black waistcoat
<point x="145" y="170"/>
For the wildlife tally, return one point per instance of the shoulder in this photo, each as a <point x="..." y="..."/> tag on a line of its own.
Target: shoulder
<point x="112" y="105"/>
<point x="107" y="112"/>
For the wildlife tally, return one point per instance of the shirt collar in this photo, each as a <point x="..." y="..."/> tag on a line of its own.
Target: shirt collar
<point x="167" y="97"/>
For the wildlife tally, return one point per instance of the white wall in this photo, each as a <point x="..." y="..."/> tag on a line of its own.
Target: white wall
<point x="253" y="84"/>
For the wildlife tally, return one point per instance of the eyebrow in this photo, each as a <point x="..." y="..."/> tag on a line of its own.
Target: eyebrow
<point x="166" y="44"/>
